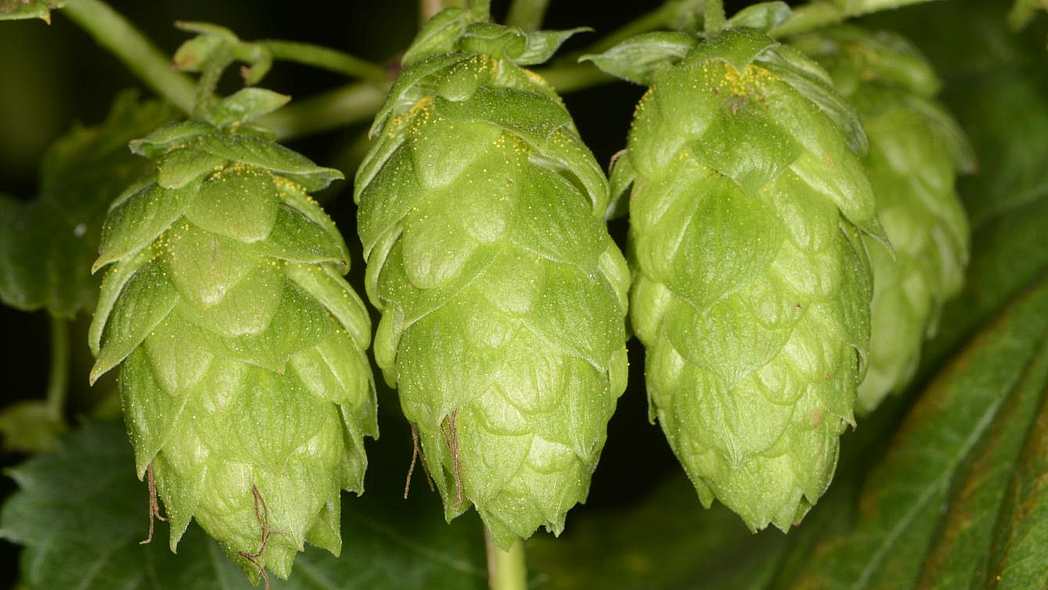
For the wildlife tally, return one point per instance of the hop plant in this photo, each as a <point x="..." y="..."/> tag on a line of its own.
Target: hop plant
<point x="916" y="151"/>
<point x="245" y="386"/>
<point x="751" y="290"/>
<point x="503" y="297"/>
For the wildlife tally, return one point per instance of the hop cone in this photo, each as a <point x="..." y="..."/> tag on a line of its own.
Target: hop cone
<point x="243" y="376"/>
<point x="503" y="298"/>
<point x="751" y="290"/>
<point x="916" y="150"/>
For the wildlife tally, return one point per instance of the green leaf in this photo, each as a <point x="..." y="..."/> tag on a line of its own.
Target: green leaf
<point x="638" y="58"/>
<point x="1021" y="545"/>
<point x="665" y="542"/>
<point x="821" y="13"/>
<point x="47" y="245"/>
<point x="541" y="45"/>
<point x="764" y="16"/>
<point x="29" y="427"/>
<point x="22" y="9"/>
<point x="438" y="35"/>
<point x="623" y="175"/>
<point x="81" y="513"/>
<point x="959" y="554"/>
<point x="246" y="105"/>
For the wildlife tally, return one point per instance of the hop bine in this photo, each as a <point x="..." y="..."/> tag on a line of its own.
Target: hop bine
<point x="916" y="151"/>
<point x="245" y="386"/>
<point x="751" y="288"/>
<point x="503" y="298"/>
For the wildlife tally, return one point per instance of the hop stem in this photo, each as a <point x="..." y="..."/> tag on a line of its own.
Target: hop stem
<point x="527" y="14"/>
<point x="326" y="58"/>
<point x="58" y="380"/>
<point x="138" y="53"/>
<point x="506" y="569"/>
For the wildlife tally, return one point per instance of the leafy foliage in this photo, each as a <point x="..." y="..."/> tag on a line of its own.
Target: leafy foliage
<point x="82" y="514"/>
<point x="48" y="244"/>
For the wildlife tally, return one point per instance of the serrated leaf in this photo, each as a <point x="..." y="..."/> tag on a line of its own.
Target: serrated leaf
<point x="22" y="9"/>
<point x="47" y="245"/>
<point x="638" y="58"/>
<point x="81" y="513"/>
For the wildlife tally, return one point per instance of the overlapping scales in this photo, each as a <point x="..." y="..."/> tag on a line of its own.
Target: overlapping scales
<point x="916" y="151"/>
<point x="243" y="376"/>
<point x="503" y="298"/>
<point x="751" y="291"/>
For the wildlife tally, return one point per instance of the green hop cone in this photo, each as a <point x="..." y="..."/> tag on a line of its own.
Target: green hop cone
<point x="503" y="297"/>
<point x="751" y="288"/>
<point x="916" y="151"/>
<point x="244" y="381"/>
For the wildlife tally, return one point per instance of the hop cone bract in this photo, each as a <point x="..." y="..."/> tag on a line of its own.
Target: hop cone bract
<point x="916" y="150"/>
<point x="243" y="375"/>
<point x="503" y="298"/>
<point x="751" y="290"/>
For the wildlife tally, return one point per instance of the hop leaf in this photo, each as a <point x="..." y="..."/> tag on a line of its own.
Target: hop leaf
<point x="47" y="245"/>
<point x="916" y="150"/>
<point x="243" y="375"/>
<point x="503" y="298"/>
<point x="751" y="291"/>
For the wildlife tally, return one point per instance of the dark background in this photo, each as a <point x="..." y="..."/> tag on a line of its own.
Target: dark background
<point x="54" y="75"/>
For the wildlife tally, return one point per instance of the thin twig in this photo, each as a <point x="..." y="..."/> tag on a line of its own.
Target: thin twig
<point x="262" y="516"/>
<point x="154" y="504"/>
<point x="416" y="452"/>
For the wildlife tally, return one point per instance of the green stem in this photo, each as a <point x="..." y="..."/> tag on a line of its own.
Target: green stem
<point x="527" y="14"/>
<point x="326" y="58"/>
<point x="819" y="14"/>
<point x="115" y="33"/>
<point x="341" y="107"/>
<point x="569" y="77"/>
<point x="656" y="19"/>
<point x="58" y="380"/>
<point x="506" y="569"/>
<point x="809" y="17"/>
<point x="713" y="16"/>
<point x="207" y="84"/>
<point x="481" y="8"/>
